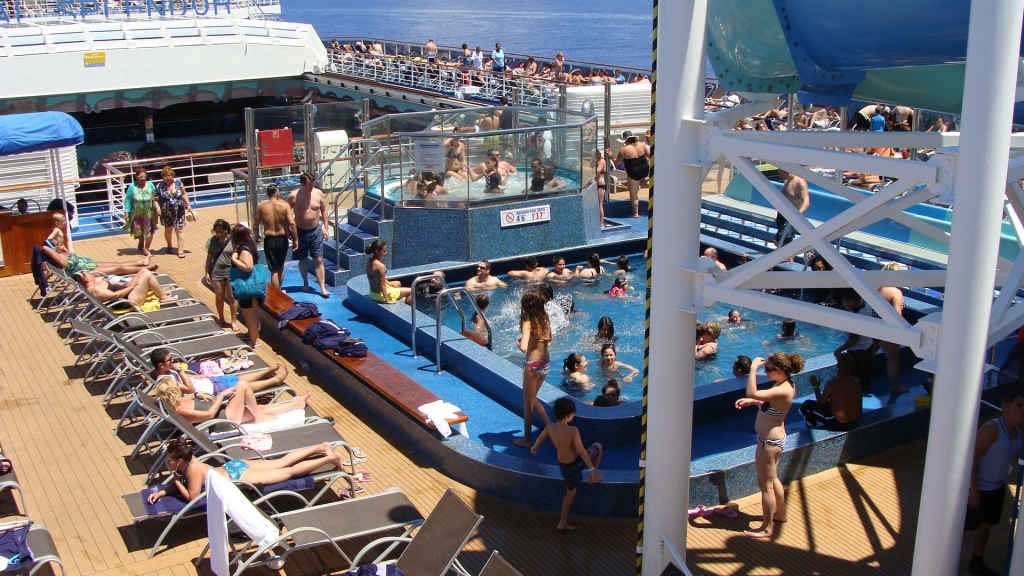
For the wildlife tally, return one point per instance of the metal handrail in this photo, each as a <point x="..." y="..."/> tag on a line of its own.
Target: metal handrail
<point x="472" y="301"/>
<point x="415" y="284"/>
<point x="353" y="178"/>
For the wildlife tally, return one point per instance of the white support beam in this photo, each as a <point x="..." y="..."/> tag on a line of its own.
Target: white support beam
<point x="832" y="279"/>
<point x="1009" y="289"/>
<point x="817" y="237"/>
<point x="1015" y="170"/>
<point x="824" y="139"/>
<point x="722" y="143"/>
<point x="1008" y="324"/>
<point x="807" y="312"/>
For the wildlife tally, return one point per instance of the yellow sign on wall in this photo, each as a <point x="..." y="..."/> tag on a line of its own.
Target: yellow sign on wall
<point x="95" y="59"/>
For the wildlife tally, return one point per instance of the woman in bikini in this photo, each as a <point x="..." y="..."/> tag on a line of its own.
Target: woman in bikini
<point x="770" y="426"/>
<point x="242" y="408"/>
<point x="381" y="290"/>
<point x="494" y="176"/>
<point x="536" y="335"/>
<point x="559" y="273"/>
<point x="592" y="269"/>
<point x="455" y="159"/>
<point x="634" y="155"/>
<point x="190" y="473"/>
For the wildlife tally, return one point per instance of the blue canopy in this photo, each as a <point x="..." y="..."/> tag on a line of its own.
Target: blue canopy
<point x="38" y="131"/>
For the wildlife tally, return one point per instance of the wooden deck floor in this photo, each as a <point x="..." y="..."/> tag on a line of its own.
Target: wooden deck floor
<point x="73" y="471"/>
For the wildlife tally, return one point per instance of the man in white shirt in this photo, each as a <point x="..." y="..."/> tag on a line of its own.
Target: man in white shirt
<point x="478" y="59"/>
<point x="862" y="348"/>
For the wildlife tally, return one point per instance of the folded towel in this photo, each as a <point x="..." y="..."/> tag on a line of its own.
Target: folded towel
<point x="439" y="412"/>
<point x="289" y="419"/>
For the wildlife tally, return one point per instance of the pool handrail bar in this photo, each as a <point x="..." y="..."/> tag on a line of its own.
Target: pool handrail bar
<point x="472" y="301"/>
<point x="415" y="283"/>
<point x="352" y="182"/>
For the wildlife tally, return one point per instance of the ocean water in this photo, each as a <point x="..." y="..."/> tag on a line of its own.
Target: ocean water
<point x="603" y="31"/>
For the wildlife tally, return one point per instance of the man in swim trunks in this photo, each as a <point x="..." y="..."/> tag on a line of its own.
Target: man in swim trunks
<point x="73" y="263"/>
<point x="794" y="188"/>
<point x="430" y="51"/>
<point x="278" y="226"/>
<point x="483" y="279"/>
<point x="137" y="289"/>
<point x="572" y="457"/>
<point x="839" y="405"/>
<point x="311" y="228"/>
<point x="533" y="270"/>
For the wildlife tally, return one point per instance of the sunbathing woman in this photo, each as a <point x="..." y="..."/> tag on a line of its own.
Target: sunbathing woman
<point x="137" y="289"/>
<point x="536" y="335"/>
<point x="73" y="263"/>
<point x="164" y="365"/>
<point x="190" y="473"/>
<point x="240" y="409"/>
<point x="770" y="426"/>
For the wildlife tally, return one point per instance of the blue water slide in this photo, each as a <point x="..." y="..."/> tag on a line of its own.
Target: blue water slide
<point x="908" y="53"/>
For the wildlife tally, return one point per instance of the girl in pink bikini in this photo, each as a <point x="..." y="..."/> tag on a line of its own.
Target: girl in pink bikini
<point x="536" y="335"/>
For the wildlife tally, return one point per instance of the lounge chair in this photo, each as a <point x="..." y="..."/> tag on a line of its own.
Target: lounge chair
<point x="498" y="566"/>
<point x="39" y="542"/>
<point x="315" y="431"/>
<point x="10" y="482"/>
<point x="203" y="336"/>
<point x="436" y="546"/>
<point x="328" y="524"/>
<point x="175" y="507"/>
<point x="184" y="310"/>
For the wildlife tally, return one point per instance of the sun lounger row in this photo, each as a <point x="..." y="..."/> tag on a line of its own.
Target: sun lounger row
<point x="24" y="540"/>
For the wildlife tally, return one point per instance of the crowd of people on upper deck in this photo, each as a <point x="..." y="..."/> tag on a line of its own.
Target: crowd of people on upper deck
<point x="477" y="61"/>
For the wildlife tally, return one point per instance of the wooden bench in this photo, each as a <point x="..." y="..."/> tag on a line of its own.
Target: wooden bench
<point x="387" y="380"/>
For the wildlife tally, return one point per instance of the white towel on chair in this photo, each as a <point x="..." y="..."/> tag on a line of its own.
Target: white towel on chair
<point x="289" y="419"/>
<point x="224" y="499"/>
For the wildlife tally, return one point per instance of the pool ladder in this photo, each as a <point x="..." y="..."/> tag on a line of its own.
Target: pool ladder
<point x="451" y="293"/>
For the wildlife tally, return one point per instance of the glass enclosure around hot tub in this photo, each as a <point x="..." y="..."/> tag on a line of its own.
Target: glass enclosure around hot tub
<point x="457" y="158"/>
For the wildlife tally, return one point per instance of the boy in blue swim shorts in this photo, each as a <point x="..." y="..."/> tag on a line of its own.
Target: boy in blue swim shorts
<point x="572" y="457"/>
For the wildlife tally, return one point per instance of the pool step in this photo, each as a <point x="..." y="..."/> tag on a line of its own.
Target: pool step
<point x="333" y="274"/>
<point x="354" y="237"/>
<point x="365" y="220"/>
<point x="348" y="259"/>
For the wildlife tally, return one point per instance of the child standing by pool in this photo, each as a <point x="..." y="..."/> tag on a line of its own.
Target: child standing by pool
<point x="536" y="335"/>
<point x="572" y="457"/>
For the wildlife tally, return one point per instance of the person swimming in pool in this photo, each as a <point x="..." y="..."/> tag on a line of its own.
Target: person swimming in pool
<point x="560" y="273"/>
<point x="611" y="367"/>
<point x="383" y="291"/>
<point x="534" y="340"/>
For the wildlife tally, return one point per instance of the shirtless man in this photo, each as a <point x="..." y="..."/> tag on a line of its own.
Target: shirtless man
<point x="532" y="272"/>
<point x="311" y="228"/>
<point x="550" y="182"/>
<point x="278" y="226"/>
<point x="838" y="406"/>
<point x="893" y="296"/>
<point x="507" y="167"/>
<point x="490" y="121"/>
<point x="794" y="188"/>
<point x="483" y="279"/>
<point x="713" y="254"/>
<point x="135" y="290"/>
<point x="430" y="51"/>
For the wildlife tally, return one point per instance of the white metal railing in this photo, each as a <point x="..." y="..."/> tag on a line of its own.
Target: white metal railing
<point x="48" y="8"/>
<point x="451" y="79"/>
<point x="205" y="175"/>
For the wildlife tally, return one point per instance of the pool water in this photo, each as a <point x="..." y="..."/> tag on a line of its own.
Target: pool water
<point x="755" y="336"/>
<point x="516" y="185"/>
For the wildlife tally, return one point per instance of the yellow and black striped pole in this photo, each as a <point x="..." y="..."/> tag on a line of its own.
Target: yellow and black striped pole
<point x="647" y="313"/>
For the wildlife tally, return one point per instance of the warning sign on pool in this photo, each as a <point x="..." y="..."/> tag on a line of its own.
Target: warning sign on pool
<point x="522" y="216"/>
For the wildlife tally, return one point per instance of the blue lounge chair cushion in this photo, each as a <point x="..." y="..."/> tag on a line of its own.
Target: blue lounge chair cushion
<point x="172" y="504"/>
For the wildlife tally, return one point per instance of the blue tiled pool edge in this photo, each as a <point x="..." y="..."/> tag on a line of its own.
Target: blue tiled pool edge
<point x="511" y="479"/>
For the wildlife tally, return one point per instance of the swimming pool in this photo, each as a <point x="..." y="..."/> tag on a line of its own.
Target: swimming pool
<point x="755" y="336"/>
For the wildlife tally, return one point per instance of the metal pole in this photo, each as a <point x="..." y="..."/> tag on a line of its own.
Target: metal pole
<point x="665" y="444"/>
<point x="979" y="181"/>
<point x="366" y="113"/>
<point x="607" y="118"/>
<point x="309" y="134"/>
<point x="791" y="109"/>
<point x="915" y="127"/>
<point x="253" y="165"/>
<point x="842" y="128"/>
<point x="59" y="178"/>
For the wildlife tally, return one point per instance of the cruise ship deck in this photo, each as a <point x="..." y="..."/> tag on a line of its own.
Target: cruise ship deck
<point x="73" y="471"/>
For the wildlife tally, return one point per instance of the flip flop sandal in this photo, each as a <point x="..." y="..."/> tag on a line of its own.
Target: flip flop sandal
<point x="362" y="476"/>
<point x="346" y="493"/>
<point x="699" y="511"/>
<point x="359" y="460"/>
<point x="358" y="452"/>
<point x="725" y="511"/>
